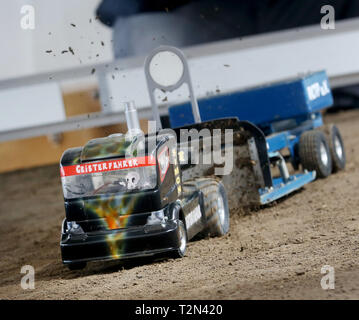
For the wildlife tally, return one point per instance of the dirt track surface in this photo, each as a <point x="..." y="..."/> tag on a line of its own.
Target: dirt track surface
<point x="274" y="253"/>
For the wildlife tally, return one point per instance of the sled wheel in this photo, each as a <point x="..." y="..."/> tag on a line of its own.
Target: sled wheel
<point x="76" y="266"/>
<point x="216" y="208"/>
<point x="336" y="147"/>
<point x="182" y="240"/>
<point x="314" y="153"/>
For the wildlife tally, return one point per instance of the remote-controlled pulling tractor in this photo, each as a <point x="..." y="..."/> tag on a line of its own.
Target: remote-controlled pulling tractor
<point x="134" y="195"/>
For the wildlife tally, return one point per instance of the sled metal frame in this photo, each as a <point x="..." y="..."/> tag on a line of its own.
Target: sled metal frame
<point x="281" y="188"/>
<point x="286" y="184"/>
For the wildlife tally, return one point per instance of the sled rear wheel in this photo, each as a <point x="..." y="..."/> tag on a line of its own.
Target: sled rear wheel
<point x="314" y="153"/>
<point x="336" y="146"/>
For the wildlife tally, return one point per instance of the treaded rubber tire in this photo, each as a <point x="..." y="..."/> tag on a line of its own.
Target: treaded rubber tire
<point x="179" y="253"/>
<point x="333" y="134"/>
<point x="77" y="266"/>
<point x="310" y="153"/>
<point x="213" y="192"/>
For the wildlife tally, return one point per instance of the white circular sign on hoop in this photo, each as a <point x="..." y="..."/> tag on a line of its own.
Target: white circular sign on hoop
<point x="166" y="68"/>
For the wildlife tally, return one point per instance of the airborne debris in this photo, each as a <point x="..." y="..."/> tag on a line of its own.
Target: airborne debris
<point x="71" y="50"/>
<point x="64" y="51"/>
<point x="48" y="51"/>
<point x="300" y="272"/>
<point x="93" y="71"/>
<point x="74" y="25"/>
<point x="102" y="43"/>
<point x="227" y="65"/>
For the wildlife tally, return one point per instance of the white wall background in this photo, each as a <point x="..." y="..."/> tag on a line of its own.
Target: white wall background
<point x="23" y="52"/>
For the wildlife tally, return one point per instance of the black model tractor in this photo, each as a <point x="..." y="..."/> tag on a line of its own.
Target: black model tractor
<point x="128" y="198"/>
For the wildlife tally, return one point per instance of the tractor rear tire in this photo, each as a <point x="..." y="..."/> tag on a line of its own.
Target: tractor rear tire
<point x="314" y="153"/>
<point x="216" y="208"/>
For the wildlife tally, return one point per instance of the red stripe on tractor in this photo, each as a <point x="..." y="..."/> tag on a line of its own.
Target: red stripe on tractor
<point x="109" y="165"/>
